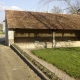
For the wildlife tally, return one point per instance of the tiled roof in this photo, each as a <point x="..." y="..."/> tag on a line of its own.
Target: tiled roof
<point x="39" y="20"/>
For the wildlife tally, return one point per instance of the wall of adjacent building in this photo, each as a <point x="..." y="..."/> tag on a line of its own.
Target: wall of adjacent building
<point x="6" y="33"/>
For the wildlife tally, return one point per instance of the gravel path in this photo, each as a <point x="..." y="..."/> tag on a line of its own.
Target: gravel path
<point x="12" y="67"/>
<point x="62" y="75"/>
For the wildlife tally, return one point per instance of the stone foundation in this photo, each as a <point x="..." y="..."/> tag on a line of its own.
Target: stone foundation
<point x="68" y="44"/>
<point x="11" y="41"/>
<point x="48" y="45"/>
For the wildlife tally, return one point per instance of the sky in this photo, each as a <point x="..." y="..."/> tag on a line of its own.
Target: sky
<point x="26" y="5"/>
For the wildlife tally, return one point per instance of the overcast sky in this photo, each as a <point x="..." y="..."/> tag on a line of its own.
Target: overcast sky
<point x="28" y="5"/>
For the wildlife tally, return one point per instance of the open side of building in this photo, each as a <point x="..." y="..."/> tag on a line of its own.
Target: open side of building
<point x="38" y="29"/>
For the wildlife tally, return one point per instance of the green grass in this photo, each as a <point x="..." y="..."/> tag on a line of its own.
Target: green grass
<point x="66" y="59"/>
<point x="2" y="32"/>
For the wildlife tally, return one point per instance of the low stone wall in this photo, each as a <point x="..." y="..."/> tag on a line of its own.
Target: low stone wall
<point x="31" y="45"/>
<point x="49" y="44"/>
<point x="27" y="59"/>
<point x="65" y="44"/>
<point x="68" y="44"/>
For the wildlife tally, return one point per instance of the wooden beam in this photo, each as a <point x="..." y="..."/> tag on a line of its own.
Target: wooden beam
<point x="53" y="41"/>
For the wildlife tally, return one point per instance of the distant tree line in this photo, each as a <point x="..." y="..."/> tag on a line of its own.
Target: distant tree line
<point x="0" y="26"/>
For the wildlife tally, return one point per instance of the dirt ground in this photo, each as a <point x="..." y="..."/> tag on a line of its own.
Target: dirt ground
<point x="12" y="67"/>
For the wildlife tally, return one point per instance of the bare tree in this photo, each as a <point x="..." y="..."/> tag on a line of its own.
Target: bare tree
<point x="76" y="6"/>
<point x="56" y="10"/>
<point x="66" y="1"/>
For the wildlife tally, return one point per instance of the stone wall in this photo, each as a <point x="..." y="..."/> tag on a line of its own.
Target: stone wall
<point x="48" y="45"/>
<point x="11" y="36"/>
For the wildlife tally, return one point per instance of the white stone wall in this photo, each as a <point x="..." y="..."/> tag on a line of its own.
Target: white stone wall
<point x="11" y="36"/>
<point x="65" y="44"/>
<point x="31" y="45"/>
<point x="48" y="45"/>
<point x="68" y="44"/>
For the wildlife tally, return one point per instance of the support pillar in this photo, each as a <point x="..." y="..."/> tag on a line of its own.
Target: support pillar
<point x="53" y="41"/>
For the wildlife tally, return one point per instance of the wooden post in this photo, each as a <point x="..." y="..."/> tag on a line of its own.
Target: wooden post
<point x="53" y="41"/>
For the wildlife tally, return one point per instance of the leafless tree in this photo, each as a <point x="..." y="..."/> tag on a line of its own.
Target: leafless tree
<point x="66" y="1"/>
<point x="76" y="6"/>
<point x="56" y="10"/>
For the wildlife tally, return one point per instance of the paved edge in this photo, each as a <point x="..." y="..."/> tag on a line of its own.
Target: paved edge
<point x="29" y="63"/>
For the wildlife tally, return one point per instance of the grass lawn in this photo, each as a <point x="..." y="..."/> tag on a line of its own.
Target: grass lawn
<point x="66" y="59"/>
<point x="2" y="32"/>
